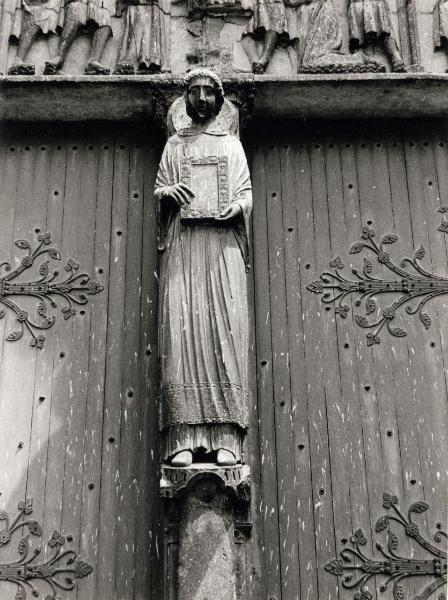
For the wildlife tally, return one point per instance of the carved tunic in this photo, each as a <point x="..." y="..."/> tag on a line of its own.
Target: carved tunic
<point x="98" y="12"/>
<point x="146" y="33"/>
<point x="203" y="299"/>
<point x="317" y="27"/>
<point x="440" y="24"/>
<point x="368" y="20"/>
<point x="46" y="15"/>
<point x="268" y="15"/>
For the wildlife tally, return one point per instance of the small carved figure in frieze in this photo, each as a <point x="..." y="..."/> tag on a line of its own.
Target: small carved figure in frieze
<point x="205" y="199"/>
<point x="32" y="19"/>
<point x="315" y="28"/>
<point x="269" y="24"/>
<point x="145" y="37"/>
<point x="440" y="25"/>
<point x="93" y="15"/>
<point x="370" y="22"/>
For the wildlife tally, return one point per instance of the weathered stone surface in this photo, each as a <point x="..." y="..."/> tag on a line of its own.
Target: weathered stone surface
<point x="130" y="98"/>
<point x="206" y="545"/>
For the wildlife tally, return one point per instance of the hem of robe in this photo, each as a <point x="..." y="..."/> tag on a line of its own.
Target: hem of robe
<point x="199" y="403"/>
<point x="209" y="438"/>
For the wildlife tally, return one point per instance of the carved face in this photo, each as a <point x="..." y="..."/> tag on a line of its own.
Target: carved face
<point x="201" y="99"/>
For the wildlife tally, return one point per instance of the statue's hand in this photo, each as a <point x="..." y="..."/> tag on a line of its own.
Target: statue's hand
<point x="179" y="192"/>
<point x="230" y="212"/>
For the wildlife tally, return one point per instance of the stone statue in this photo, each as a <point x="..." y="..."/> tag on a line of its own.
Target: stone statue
<point x="313" y="28"/>
<point x="369" y="21"/>
<point x="205" y="199"/>
<point x="33" y="18"/>
<point x="269" y="24"/>
<point x="145" y="37"/>
<point x="95" y="15"/>
<point x="316" y="31"/>
<point x="440" y="28"/>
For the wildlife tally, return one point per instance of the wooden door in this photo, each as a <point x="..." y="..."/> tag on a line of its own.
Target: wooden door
<point x="78" y="424"/>
<point x="344" y="419"/>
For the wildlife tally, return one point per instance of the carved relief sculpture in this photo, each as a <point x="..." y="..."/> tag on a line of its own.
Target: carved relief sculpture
<point x="370" y="21"/>
<point x="440" y="28"/>
<point x="31" y="19"/>
<point x="145" y="37"/>
<point x="269" y="24"/>
<point x="205" y="199"/>
<point x="95" y="15"/>
<point x="317" y="33"/>
<point x="314" y="30"/>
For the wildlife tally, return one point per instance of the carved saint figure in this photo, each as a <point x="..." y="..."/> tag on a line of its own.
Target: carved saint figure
<point x="369" y="21"/>
<point x="440" y="28"/>
<point x="33" y="18"/>
<point x="312" y="27"/>
<point x="95" y="15"/>
<point x="316" y="31"/>
<point x="145" y="37"/>
<point x="203" y="333"/>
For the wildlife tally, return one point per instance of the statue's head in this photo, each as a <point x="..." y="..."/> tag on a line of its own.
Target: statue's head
<point x="204" y="95"/>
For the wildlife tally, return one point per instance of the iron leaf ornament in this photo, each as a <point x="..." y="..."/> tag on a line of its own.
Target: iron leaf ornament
<point x="357" y="568"/>
<point x="72" y="289"/>
<point x="412" y="287"/>
<point x="58" y="572"/>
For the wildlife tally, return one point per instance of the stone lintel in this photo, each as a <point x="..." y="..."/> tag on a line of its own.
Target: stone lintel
<point x="135" y="98"/>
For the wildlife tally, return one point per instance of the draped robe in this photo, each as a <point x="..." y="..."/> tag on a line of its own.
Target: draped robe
<point x="203" y="318"/>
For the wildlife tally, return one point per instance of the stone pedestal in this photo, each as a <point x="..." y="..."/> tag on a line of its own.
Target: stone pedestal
<point x="206" y="525"/>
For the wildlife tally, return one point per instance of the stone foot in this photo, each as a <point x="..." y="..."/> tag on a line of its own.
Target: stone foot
<point x="125" y="68"/>
<point x="96" y="68"/>
<point x="258" y="67"/>
<point x="21" y="68"/>
<point x="398" y="66"/>
<point x="225" y="458"/>
<point x="152" y="69"/>
<point x="53" y="66"/>
<point x="182" y="459"/>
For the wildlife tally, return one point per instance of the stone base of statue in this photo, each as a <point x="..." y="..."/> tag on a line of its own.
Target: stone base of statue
<point x="206" y="530"/>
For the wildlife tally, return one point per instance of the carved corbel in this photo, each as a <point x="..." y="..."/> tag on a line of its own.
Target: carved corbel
<point x="207" y="528"/>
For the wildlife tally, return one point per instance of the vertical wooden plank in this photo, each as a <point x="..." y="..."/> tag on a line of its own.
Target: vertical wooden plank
<point x="129" y="485"/>
<point x="375" y="207"/>
<point x="149" y="533"/>
<point x="109" y="499"/>
<point x="16" y="393"/>
<point x="299" y="216"/>
<point x="347" y="450"/>
<point x="81" y="193"/>
<point x="284" y="441"/>
<point x="95" y="437"/>
<point x="268" y="504"/>
<point x="324" y="335"/>
<point x="431" y="408"/>
<point x="57" y="346"/>
<point x="9" y="171"/>
<point x="369" y="427"/>
<point x="39" y="427"/>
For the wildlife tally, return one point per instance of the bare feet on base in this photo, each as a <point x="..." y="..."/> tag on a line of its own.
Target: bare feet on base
<point x="182" y="459"/>
<point x="225" y="458"/>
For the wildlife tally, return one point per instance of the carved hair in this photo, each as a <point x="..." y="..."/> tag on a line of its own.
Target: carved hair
<point x="202" y="72"/>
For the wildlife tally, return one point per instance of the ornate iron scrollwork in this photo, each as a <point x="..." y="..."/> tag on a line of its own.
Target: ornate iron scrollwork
<point x="357" y="568"/>
<point x="59" y="571"/>
<point x="72" y="289"/>
<point x="411" y="282"/>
